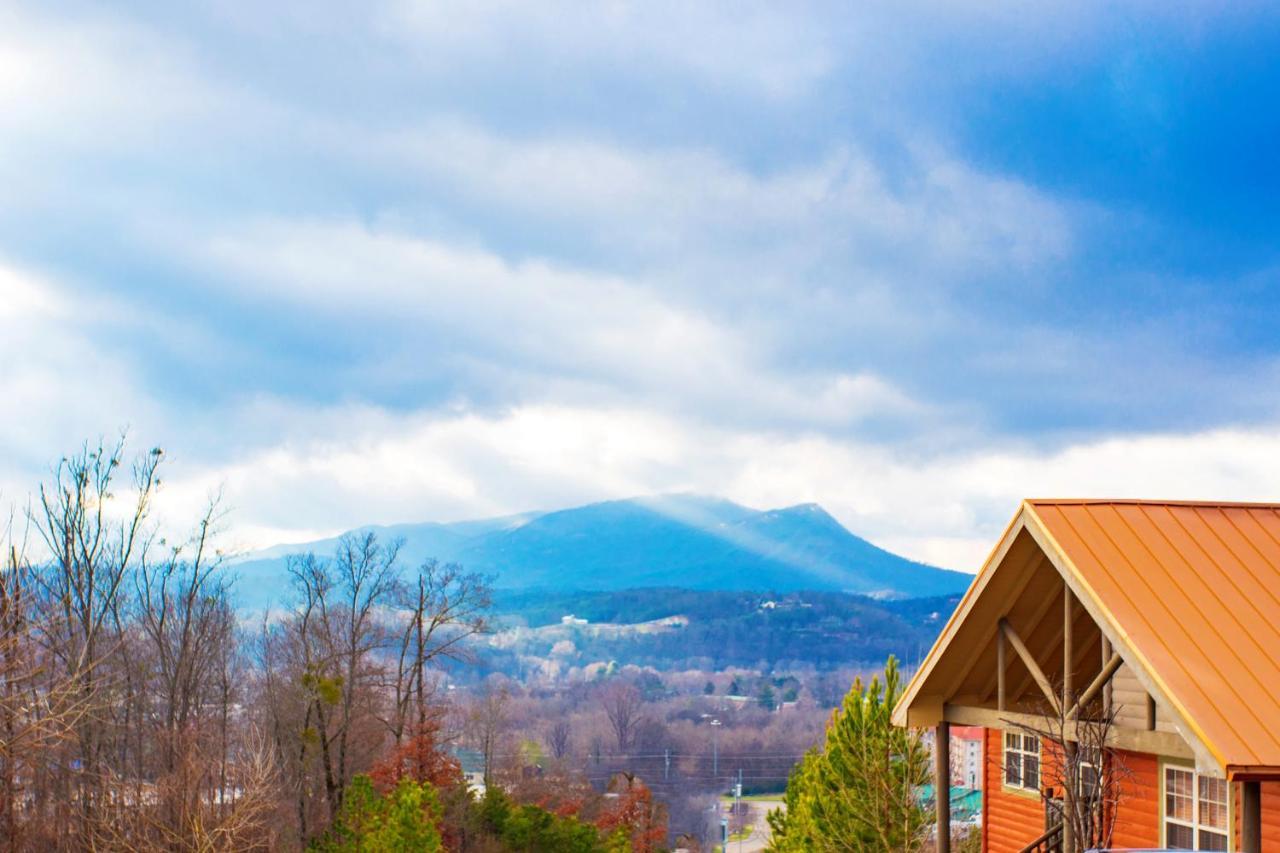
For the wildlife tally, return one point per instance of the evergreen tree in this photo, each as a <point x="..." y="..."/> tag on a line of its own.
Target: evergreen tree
<point x="859" y="792"/>
<point x="402" y="821"/>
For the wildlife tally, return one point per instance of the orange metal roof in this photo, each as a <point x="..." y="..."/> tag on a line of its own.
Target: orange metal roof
<point x="1195" y="590"/>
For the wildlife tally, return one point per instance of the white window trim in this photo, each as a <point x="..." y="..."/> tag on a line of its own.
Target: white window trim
<point x="1021" y="751"/>
<point x="1194" y="826"/>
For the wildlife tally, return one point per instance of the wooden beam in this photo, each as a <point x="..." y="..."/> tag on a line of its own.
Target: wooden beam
<point x="1028" y="571"/>
<point x="1107" y="703"/>
<point x="1040" y="617"/>
<point x="1032" y="667"/>
<point x="1103" y="679"/>
<point x="1068" y="638"/>
<point x="981" y="583"/>
<point x="924" y="712"/>
<point x="942" y="785"/>
<point x="1251" y="817"/>
<point x="1134" y="740"/>
<point x="1031" y="572"/>
<point x="1001" y="668"/>
<point x="1083" y="622"/>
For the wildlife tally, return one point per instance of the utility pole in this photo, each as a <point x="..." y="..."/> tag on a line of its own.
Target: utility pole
<point x="715" y="747"/>
<point x="737" y="805"/>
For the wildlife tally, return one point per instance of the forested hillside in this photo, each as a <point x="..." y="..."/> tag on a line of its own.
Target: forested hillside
<point x="689" y="629"/>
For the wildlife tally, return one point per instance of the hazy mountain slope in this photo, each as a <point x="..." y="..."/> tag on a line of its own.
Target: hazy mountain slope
<point x="686" y="541"/>
<point x="717" y="629"/>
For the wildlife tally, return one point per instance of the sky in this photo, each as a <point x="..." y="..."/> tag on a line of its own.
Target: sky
<point x="403" y="261"/>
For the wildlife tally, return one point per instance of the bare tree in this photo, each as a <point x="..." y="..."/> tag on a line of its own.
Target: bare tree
<point x="93" y="549"/>
<point x="623" y="706"/>
<point x="557" y="739"/>
<point x="188" y="637"/>
<point x="1085" y="777"/>
<point x="442" y="607"/>
<point x="488" y="719"/>
<point x="327" y="713"/>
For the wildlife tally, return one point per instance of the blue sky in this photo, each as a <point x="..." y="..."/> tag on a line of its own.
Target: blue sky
<point x="413" y="260"/>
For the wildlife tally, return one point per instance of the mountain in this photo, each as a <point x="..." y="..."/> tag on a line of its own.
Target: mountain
<point x="681" y="629"/>
<point x="686" y="541"/>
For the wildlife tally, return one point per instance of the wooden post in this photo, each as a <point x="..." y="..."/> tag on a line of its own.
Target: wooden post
<point x="942" y="785"/>
<point x="1068" y="658"/>
<point x="1068" y="746"/>
<point x="1106" y="691"/>
<point x="1000" y="668"/>
<point x="1251" y="817"/>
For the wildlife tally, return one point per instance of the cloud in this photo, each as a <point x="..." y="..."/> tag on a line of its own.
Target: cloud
<point x="422" y="260"/>
<point x="787" y="52"/>
<point x="531" y="329"/>
<point x="945" y="508"/>
<point x="675" y="203"/>
<point x="60" y="386"/>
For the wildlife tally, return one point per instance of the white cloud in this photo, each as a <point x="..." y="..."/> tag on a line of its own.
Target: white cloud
<point x="784" y="53"/>
<point x="676" y="204"/>
<point x="92" y="83"/>
<point x="59" y="385"/>
<point x="947" y="509"/>
<point x="546" y="331"/>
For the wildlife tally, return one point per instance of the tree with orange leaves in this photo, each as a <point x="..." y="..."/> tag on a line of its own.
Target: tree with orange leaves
<point x="629" y="805"/>
<point x="419" y="758"/>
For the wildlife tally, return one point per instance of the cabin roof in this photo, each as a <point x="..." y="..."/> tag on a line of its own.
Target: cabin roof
<point x="1190" y="591"/>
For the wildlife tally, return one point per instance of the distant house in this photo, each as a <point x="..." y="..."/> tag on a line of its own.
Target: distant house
<point x="1162" y="617"/>
<point x="472" y="764"/>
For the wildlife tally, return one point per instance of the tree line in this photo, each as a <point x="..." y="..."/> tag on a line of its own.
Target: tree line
<point x="139" y="710"/>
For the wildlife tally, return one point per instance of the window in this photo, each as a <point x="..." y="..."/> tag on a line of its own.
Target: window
<point x="1022" y="761"/>
<point x="1090" y="779"/>
<point x="1195" y="810"/>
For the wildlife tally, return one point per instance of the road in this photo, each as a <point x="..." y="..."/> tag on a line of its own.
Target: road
<point x="759" y="838"/>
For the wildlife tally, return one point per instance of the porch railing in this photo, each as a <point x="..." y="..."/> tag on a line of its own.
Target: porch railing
<point x="1050" y="842"/>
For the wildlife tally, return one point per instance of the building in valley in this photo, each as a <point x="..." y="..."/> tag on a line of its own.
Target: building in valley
<point x="1136" y="643"/>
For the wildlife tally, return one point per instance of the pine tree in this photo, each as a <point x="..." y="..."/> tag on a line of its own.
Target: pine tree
<point x="859" y="792"/>
<point x="402" y="821"/>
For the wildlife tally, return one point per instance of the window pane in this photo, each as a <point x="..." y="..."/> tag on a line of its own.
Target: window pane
<point x="1011" y="740"/>
<point x="1213" y="790"/>
<point x="1031" y="743"/>
<point x="1212" y="840"/>
<point x="1213" y="815"/>
<point x="1177" y="781"/>
<point x="1178" y="808"/>
<point x="1179" y="837"/>
<point x="1031" y="772"/>
<point x="1089" y="780"/>
<point x="1012" y="774"/>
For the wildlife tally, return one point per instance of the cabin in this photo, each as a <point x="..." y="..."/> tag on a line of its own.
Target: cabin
<point x="1122" y="659"/>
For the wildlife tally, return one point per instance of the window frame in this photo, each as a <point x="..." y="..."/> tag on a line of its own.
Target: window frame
<point x="1194" y="825"/>
<point x="1023" y="753"/>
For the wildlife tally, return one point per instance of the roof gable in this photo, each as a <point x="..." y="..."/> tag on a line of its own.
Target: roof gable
<point x="1195" y="589"/>
<point x="1189" y="591"/>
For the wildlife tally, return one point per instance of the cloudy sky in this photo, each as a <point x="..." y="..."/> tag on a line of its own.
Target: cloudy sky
<point x="406" y="260"/>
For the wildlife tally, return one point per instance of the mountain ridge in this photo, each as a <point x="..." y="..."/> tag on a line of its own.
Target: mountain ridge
<point x="690" y="541"/>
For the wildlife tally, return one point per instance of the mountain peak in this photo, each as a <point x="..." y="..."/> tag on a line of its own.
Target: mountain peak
<point x="677" y="540"/>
